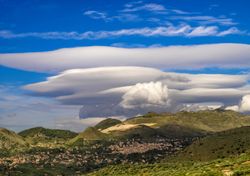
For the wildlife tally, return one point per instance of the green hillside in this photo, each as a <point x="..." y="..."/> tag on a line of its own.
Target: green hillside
<point x="10" y="142"/>
<point x="218" y="145"/>
<point x="210" y="121"/>
<point x="107" y="123"/>
<point x="179" y="131"/>
<point x="141" y="132"/>
<point x="53" y="133"/>
<point x="220" y="154"/>
<point x="89" y="134"/>
<point x="43" y="136"/>
<point x="170" y="125"/>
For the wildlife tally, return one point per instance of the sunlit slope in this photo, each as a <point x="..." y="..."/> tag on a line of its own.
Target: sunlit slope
<point x="170" y="125"/>
<point x="10" y="141"/>
<point x="210" y="121"/>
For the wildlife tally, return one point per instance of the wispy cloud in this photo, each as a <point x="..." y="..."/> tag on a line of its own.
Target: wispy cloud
<point x="206" y="19"/>
<point x="180" y="12"/>
<point x="230" y="31"/>
<point x="95" y="14"/>
<point x="133" y="12"/>
<point x="127" y="17"/>
<point x="151" y="7"/>
<point x="159" y="14"/>
<point x="105" y="17"/>
<point x="165" y="31"/>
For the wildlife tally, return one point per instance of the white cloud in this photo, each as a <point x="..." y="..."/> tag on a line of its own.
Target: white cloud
<point x="200" y="106"/>
<point x="137" y="6"/>
<point x="151" y="7"/>
<point x="124" y="17"/>
<point x="165" y="31"/>
<point x="245" y="104"/>
<point x="232" y="30"/>
<point x="104" y="79"/>
<point x="205" y="20"/>
<point x="145" y="95"/>
<point x="196" y="56"/>
<point x="127" y="91"/>
<point x="199" y="95"/>
<point x="180" y="12"/>
<point x="92" y="80"/>
<point x="233" y="108"/>
<point x="95" y="14"/>
<point x="204" y="31"/>
<point x="132" y="12"/>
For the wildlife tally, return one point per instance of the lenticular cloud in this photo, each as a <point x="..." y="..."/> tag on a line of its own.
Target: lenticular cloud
<point x="181" y="57"/>
<point x="128" y="91"/>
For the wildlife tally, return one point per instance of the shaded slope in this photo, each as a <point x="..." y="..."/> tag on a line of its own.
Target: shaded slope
<point x="140" y="132"/>
<point x="219" y="145"/>
<point x="169" y="125"/>
<point x="107" y="123"/>
<point x="90" y="134"/>
<point x="53" y="133"/>
<point x="40" y="135"/>
<point x="179" y="131"/>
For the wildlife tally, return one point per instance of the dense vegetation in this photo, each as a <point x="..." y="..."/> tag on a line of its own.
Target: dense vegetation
<point x="50" y="133"/>
<point x="107" y="123"/>
<point x="219" y="145"/>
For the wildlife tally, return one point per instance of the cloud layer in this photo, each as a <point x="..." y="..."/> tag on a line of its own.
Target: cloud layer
<point x="128" y="91"/>
<point x="183" y="57"/>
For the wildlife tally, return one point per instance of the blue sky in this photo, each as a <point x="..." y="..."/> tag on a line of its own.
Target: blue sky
<point x="44" y="25"/>
<point x="81" y="16"/>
